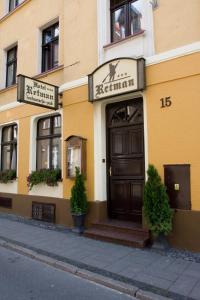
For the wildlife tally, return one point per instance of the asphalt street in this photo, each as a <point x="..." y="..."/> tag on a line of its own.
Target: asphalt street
<point x="22" y="278"/>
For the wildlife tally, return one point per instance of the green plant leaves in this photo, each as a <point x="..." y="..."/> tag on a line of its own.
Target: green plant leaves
<point x="78" y="200"/>
<point x="156" y="204"/>
<point x="47" y="176"/>
<point x="7" y="176"/>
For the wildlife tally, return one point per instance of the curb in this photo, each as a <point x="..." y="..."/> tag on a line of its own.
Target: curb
<point x="119" y="286"/>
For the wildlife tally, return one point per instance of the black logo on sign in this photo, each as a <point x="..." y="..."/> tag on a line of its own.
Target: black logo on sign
<point x="113" y="81"/>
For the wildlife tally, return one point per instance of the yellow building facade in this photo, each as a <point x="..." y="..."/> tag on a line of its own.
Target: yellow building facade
<point x="84" y="36"/>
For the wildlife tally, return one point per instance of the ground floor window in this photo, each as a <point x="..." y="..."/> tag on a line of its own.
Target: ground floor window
<point x="49" y="143"/>
<point x="9" y="148"/>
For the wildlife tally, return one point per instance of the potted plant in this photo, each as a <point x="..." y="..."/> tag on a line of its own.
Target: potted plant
<point x="79" y="203"/>
<point x="157" y="211"/>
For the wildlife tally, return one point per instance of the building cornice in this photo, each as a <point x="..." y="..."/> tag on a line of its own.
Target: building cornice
<point x="173" y="54"/>
<point x="73" y="84"/>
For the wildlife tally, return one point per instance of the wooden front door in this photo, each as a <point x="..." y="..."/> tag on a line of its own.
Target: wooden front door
<point x="125" y="160"/>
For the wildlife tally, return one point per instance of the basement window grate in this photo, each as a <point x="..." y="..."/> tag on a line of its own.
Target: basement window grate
<point x="43" y="212"/>
<point x="5" y="202"/>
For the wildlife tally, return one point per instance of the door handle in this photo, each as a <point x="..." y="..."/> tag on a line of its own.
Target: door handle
<point x="110" y="171"/>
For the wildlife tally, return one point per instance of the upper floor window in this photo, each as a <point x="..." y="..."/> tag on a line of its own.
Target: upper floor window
<point x="11" y="66"/>
<point x="50" y="42"/>
<point x="49" y="143"/>
<point x="9" y="148"/>
<point x="125" y="18"/>
<point x="14" y="3"/>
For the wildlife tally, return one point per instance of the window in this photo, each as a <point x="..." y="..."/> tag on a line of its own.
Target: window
<point x="9" y="148"/>
<point x="11" y="66"/>
<point x="14" y="3"/>
<point x="125" y="18"/>
<point x="48" y="143"/>
<point x="50" y="42"/>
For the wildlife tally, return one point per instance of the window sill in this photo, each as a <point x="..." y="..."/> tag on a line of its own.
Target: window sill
<point x="130" y="37"/>
<point x="14" y="10"/>
<point x="8" y="88"/>
<point x="43" y="74"/>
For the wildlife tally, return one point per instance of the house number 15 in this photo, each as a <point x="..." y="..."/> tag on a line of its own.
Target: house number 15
<point x="165" y="102"/>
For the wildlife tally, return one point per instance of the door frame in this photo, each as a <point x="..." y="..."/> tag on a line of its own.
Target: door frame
<point x="108" y="186"/>
<point x="100" y="169"/>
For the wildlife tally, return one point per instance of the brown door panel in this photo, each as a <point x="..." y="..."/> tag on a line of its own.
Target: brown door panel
<point x="127" y="167"/>
<point x="125" y="160"/>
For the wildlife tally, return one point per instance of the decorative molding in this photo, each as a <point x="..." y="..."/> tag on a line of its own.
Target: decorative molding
<point x="73" y="84"/>
<point x="10" y="106"/>
<point x="174" y="53"/>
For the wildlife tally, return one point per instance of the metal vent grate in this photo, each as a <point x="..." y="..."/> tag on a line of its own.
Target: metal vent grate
<point x="43" y="212"/>
<point x="5" y="202"/>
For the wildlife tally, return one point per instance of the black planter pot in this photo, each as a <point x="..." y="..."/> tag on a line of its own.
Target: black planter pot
<point x="79" y="221"/>
<point x="160" y="243"/>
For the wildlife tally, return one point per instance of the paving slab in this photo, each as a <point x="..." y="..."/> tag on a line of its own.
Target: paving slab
<point x="160" y="272"/>
<point x="195" y="293"/>
<point x="184" y="285"/>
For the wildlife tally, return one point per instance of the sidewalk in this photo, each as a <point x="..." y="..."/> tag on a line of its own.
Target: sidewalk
<point x="163" y="274"/>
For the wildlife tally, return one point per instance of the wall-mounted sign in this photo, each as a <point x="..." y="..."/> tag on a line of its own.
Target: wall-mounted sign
<point x="37" y="92"/>
<point x="115" y="77"/>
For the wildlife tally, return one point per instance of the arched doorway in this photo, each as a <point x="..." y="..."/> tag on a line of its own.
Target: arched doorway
<point x="125" y="159"/>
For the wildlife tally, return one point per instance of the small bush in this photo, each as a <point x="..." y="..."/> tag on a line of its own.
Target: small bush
<point x="47" y="176"/>
<point x="7" y="176"/>
<point x="78" y="200"/>
<point x="156" y="204"/>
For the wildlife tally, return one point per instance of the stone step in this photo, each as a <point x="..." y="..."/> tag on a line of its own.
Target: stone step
<point x="123" y="227"/>
<point x="118" y="237"/>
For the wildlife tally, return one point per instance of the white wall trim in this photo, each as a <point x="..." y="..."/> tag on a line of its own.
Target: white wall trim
<point x="73" y="84"/>
<point x="11" y="105"/>
<point x="174" y="53"/>
<point x="11" y="187"/>
<point x="43" y="190"/>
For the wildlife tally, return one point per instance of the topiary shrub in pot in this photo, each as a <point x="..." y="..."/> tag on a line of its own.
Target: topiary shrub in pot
<point x="78" y="202"/>
<point x="157" y="211"/>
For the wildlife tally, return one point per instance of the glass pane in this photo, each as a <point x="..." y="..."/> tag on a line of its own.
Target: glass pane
<point x="74" y="160"/>
<point x="118" y="24"/>
<point x="47" y="36"/>
<point x="57" y="125"/>
<point x="15" y="132"/>
<point x="46" y="58"/>
<point x="119" y="115"/>
<point x="130" y="111"/>
<point x="14" y="158"/>
<point x="11" y="54"/>
<point x="55" y="54"/>
<point x="7" y="134"/>
<point x="11" y="5"/>
<point x="135" y="16"/>
<point x="43" y="147"/>
<point x="44" y="127"/>
<point x="56" y="31"/>
<point x="56" y="153"/>
<point x="6" y="157"/>
<point x="10" y="75"/>
<point x="114" y="3"/>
